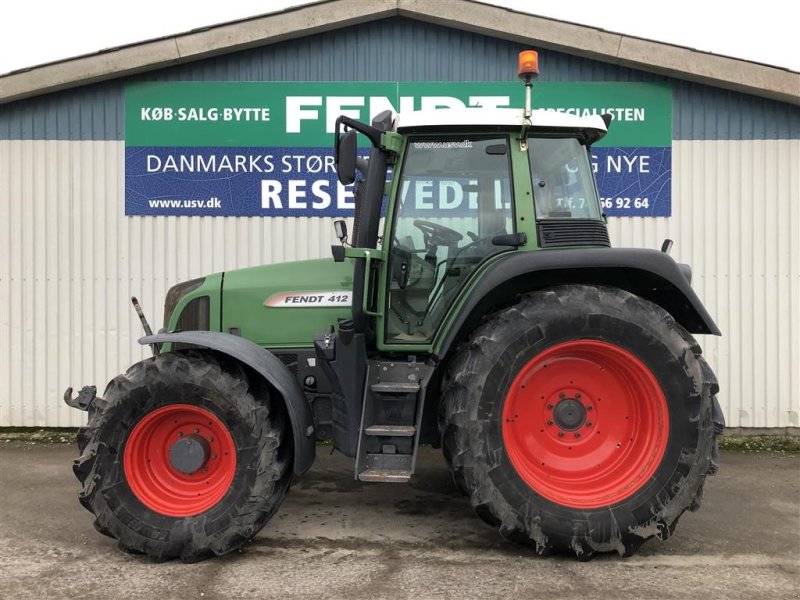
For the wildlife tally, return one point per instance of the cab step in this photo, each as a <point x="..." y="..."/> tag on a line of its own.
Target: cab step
<point x="387" y="467"/>
<point x="391" y="430"/>
<point x="371" y="475"/>
<point x="391" y="418"/>
<point x="401" y="387"/>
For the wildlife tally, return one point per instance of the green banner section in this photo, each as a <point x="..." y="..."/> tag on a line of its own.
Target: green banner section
<point x="286" y="114"/>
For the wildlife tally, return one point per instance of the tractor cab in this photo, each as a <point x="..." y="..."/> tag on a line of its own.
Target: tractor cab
<point x="464" y="186"/>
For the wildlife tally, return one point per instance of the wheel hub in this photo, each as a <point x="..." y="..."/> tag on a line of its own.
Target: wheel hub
<point x="189" y="454"/>
<point x="569" y="414"/>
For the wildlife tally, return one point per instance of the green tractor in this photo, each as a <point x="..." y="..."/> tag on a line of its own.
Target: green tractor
<point x="480" y="308"/>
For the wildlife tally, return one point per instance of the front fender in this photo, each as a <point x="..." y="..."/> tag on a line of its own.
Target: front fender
<point x="651" y="274"/>
<point x="271" y="369"/>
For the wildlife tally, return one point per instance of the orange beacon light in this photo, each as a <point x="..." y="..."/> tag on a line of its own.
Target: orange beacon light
<point x="528" y="64"/>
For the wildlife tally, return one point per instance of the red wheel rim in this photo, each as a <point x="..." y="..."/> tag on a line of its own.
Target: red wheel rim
<point x="585" y="424"/>
<point x="153" y="478"/>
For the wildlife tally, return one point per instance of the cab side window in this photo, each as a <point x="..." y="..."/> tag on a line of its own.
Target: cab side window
<point x="563" y="186"/>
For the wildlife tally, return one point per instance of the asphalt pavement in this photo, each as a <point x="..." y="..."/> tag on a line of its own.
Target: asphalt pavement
<point x="337" y="538"/>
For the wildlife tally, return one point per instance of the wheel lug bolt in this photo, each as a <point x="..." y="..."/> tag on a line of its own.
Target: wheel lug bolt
<point x="588" y="407"/>
<point x="562" y="395"/>
<point x="577" y="395"/>
<point x="549" y="422"/>
<point x="549" y="407"/>
<point x="577" y="435"/>
<point x="588" y="423"/>
<point x="560" y="434"/>
<point x="180" y="434"/>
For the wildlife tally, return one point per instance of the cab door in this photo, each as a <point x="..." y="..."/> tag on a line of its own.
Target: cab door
<point x="454" y="198"/>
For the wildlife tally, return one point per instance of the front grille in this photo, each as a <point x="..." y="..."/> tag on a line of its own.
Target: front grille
<point x="196" y="315"/>
<point x="572" y="232"/>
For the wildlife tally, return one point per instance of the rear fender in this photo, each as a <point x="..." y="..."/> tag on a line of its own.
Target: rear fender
<point x="651" y="274"/>
<point x="271" y="369"/>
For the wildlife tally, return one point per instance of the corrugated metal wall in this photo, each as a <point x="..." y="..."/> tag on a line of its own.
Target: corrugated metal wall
<point x="70" y="259"/>
<point x="736" y="220"/>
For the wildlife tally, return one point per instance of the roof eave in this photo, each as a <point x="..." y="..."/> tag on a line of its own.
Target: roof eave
<point x="656" y="57"/>
<point x="192" y="46"/>
<point x="628" y="51"/>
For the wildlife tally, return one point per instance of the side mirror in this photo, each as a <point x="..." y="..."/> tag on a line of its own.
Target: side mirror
<point x="345" y="152"/>
<point x="340" y="227"/>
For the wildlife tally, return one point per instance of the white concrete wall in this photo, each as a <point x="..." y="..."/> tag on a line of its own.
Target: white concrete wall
<point x="70" y="260"/>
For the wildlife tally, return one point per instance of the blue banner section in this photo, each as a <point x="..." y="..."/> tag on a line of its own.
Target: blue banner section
<point x="295" y="182"/>
<point x="279" y="182"/>
<point x="634" y="182"/>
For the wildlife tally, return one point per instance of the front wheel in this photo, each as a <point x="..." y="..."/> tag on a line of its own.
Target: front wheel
<point x="580" y="420"/>
<point x="184" y="457"/>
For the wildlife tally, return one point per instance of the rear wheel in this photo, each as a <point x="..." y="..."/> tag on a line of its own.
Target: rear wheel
<point x="183" y="457"/>
<point x="579" y="420"/>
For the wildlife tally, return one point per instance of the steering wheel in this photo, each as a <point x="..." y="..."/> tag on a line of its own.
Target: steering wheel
<point x="435" y="235"/>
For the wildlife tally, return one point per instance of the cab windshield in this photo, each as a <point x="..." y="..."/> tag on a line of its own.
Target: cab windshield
<point x="455" y="198"/>
<point x="563" y="185"/>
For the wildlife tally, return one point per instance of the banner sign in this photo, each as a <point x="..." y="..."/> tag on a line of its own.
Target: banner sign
<point x="266" y="149"/>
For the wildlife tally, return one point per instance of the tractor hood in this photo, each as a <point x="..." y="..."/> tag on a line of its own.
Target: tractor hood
<point x="285" y="305"/>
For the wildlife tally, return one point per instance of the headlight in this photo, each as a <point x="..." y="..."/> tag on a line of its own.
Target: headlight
<point x="175" y="293"/>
